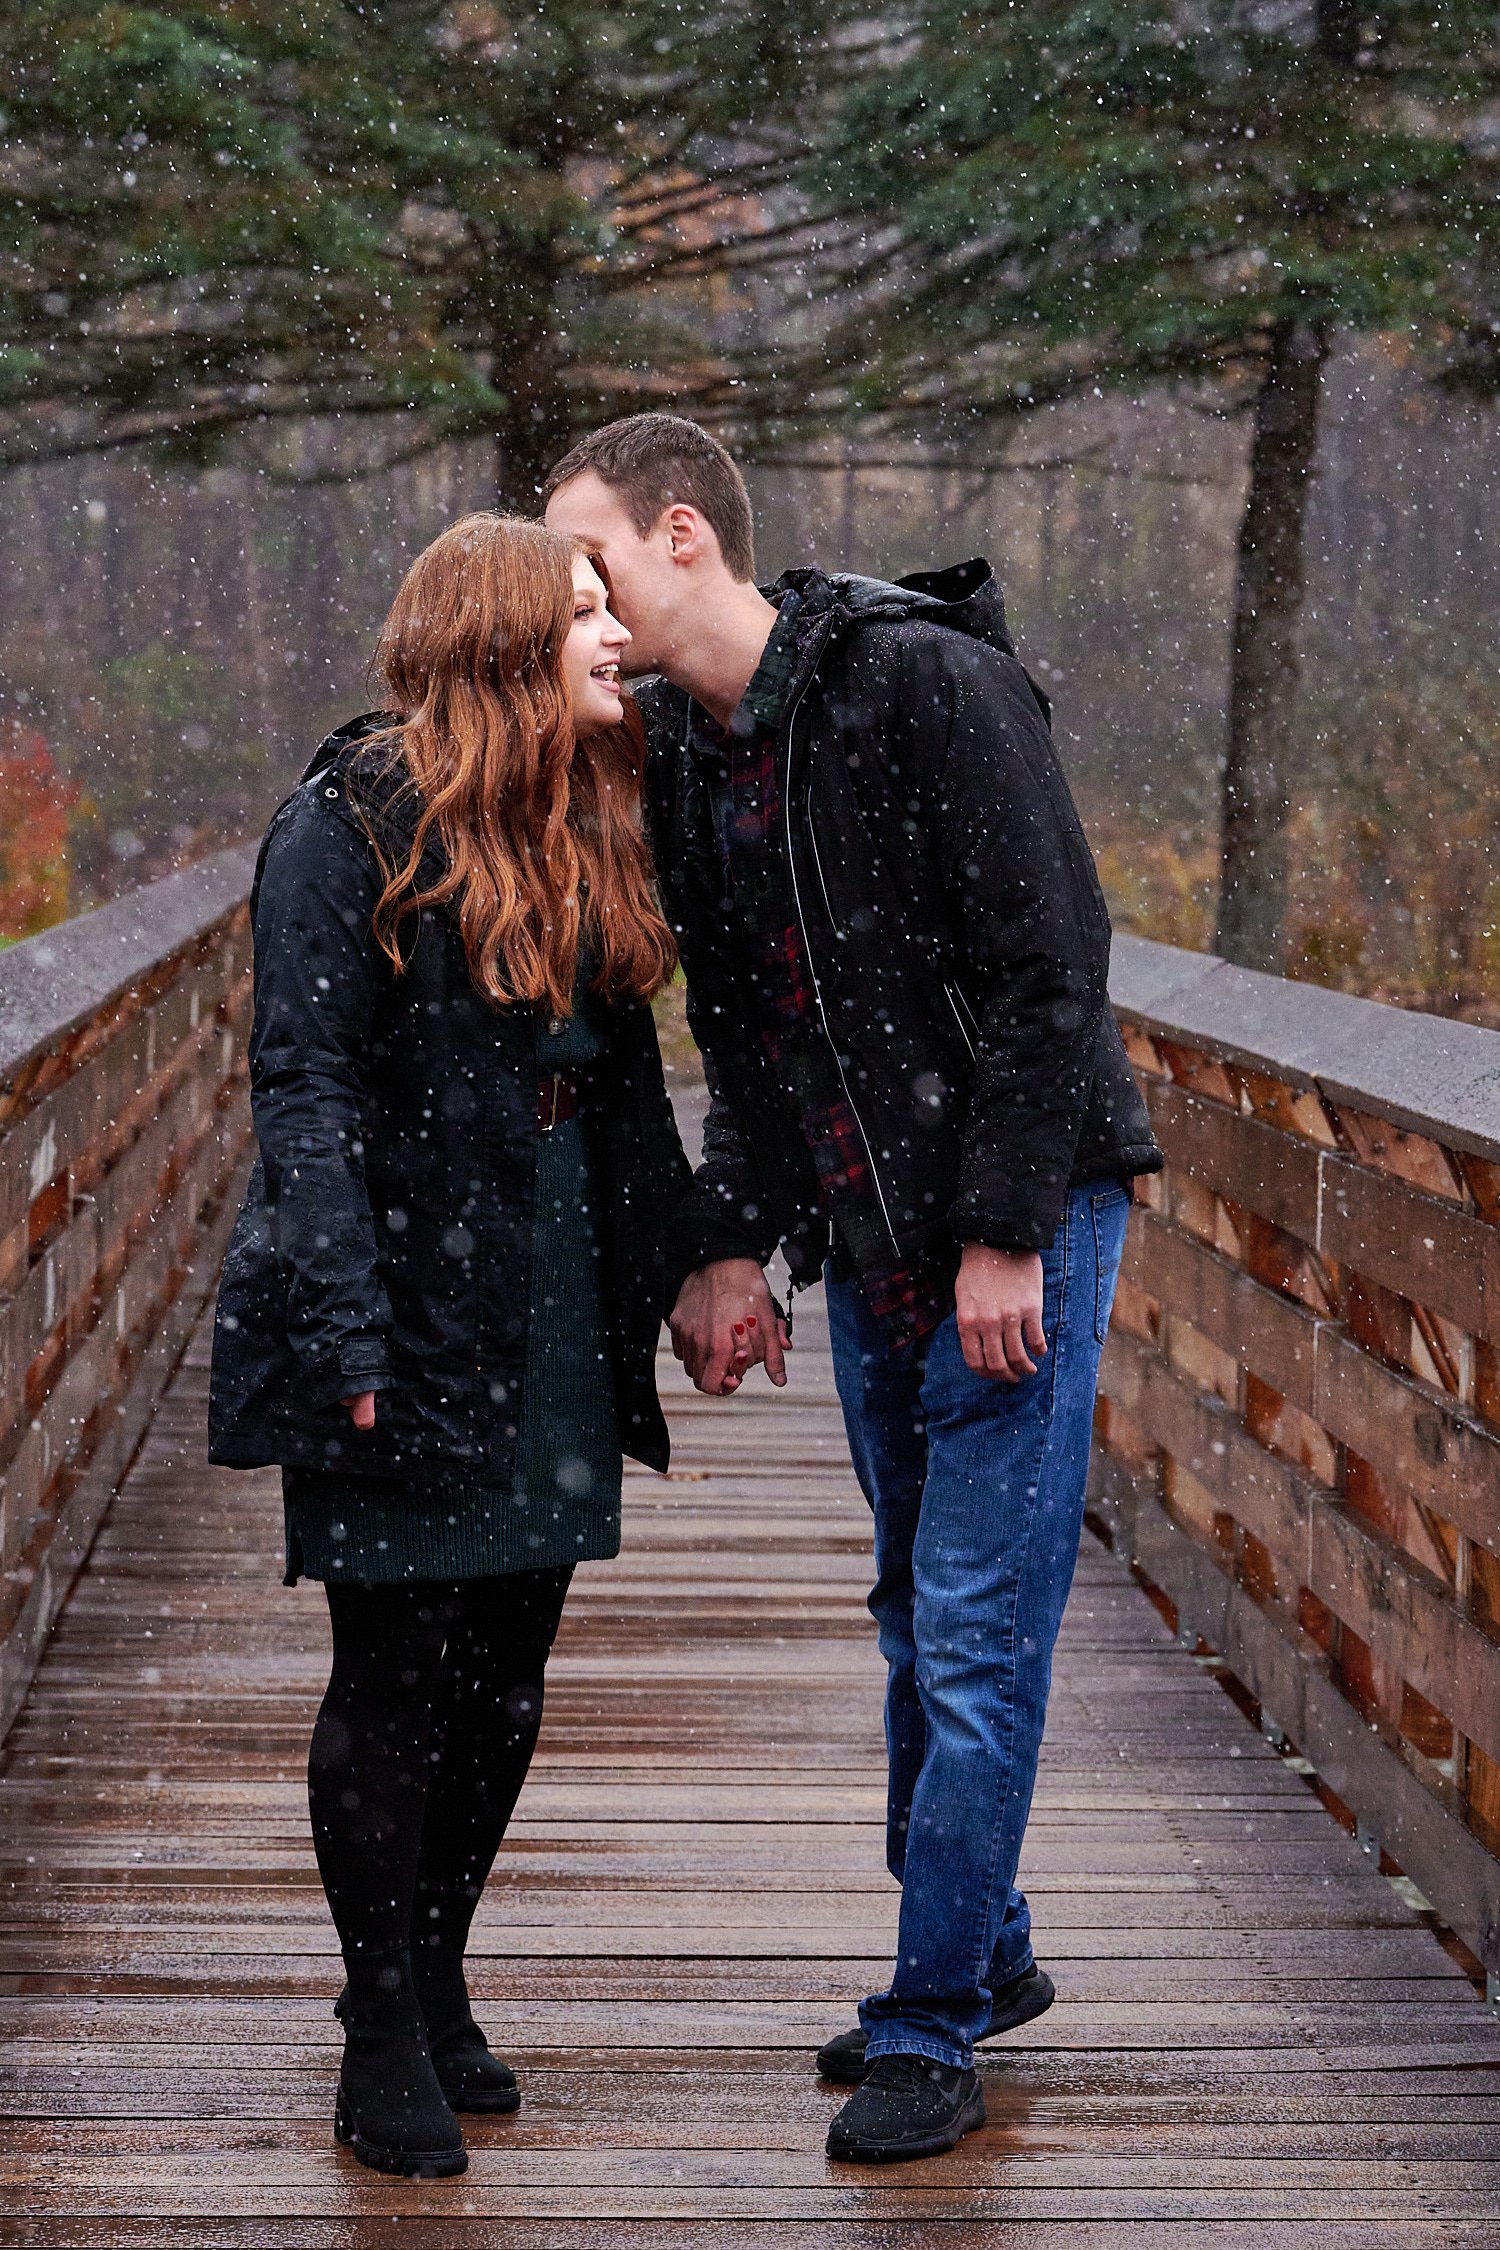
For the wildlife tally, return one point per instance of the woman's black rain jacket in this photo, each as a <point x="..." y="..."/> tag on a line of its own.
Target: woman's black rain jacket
<point x="385" y="1239"/>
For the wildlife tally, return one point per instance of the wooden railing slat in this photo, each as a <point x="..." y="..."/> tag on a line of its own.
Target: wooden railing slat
<point x="85" y="1504"/>
<point x="1443" y="1256"/>
<point x="96" y="1379"/>
<point x="1425" y="1440"/>
<point x="97" y="1235"/>
<point x="1267" y="1332"/>
<point x="1253" y="1164"/>
<point x="1429" y="1445"/>
<point x="1437" y="1252"/>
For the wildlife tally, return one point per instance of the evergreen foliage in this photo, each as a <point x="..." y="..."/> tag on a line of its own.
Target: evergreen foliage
<point x="1114" y="191"/>
<point x="485" y="219"/>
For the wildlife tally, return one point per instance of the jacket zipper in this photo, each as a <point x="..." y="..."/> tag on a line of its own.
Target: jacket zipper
<point x="791" y="859"/>
<point x="963" y="1015"/>
<point x="963" y="1029"/>
<point x="954" y="997"/>
<point x="817" y="861"/>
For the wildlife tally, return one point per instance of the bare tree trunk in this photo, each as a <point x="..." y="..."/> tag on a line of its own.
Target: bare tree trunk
<point x="848" y="508"/>
<point x="537" y="430"/>
<point x="257" y="633"/>
<point x="526" y="446"/>
<point x="1338" y="28"/>
<point x="1264" y="663"/>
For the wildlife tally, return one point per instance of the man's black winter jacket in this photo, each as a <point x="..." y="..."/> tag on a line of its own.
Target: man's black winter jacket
<point x="952" y="917"/>
<point x="385" y="1240"/>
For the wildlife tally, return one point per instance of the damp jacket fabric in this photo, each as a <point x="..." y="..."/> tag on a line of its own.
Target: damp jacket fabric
<point x="956" y="935"/>
<point x="385" y="1239"/>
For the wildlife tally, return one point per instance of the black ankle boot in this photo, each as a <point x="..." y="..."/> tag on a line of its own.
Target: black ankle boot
<point x="391" y="2109"/>
<point x="470" y="2076"/>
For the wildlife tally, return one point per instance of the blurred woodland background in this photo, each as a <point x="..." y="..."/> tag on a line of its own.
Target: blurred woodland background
<point x="1186" y="315"/>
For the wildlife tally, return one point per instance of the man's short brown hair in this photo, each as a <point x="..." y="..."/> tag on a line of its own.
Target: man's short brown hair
<point x="655" y="461"/>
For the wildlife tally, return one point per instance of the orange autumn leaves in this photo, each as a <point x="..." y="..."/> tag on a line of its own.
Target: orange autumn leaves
<point x="36" y="805"/>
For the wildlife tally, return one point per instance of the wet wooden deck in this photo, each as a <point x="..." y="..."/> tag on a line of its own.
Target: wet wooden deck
<point x="1256" y="2043"/>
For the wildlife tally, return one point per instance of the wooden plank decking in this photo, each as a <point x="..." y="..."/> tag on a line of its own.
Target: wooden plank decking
<point x="1256" y="2043"/>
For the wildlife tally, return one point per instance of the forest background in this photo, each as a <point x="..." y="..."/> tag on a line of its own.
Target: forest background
<point x="1184" y="315"/>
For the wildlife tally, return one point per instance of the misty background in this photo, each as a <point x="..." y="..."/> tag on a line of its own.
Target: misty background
<point x="175" y="640"/>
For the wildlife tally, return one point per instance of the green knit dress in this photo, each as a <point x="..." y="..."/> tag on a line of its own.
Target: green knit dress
<point x="563" y="1505"/>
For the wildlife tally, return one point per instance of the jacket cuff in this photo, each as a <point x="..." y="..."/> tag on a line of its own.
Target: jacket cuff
<point x="362" y="1363"/>
<point x="1029" y="1226"/>
<point x="707" y="1244"/>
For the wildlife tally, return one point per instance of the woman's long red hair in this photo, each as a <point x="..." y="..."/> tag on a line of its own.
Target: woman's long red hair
<point x="540" y="828"/>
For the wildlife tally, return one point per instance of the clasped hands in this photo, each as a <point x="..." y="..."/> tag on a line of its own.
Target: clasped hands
<point x="725" y="1320"/>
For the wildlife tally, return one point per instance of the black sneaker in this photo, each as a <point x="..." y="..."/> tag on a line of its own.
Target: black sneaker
<point x="1030" y="1994"/>
<point x="907" y="2106"/>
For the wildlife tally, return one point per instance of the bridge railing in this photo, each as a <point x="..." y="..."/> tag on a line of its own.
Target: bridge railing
<point x="124" y="1128"/>
<point x="1299" y="1434"/>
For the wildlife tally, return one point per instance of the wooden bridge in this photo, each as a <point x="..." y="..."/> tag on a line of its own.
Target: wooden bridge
<point x="1263" y="1858"/>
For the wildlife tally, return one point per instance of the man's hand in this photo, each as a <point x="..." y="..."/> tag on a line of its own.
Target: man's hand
<point x="999" y="1295"/>
<point x="361" y="1405"/>
<point x="724" y="1320"/>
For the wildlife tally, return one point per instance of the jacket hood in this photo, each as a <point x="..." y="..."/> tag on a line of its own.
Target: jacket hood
<point x="965" y="597"/>
<point x="377" y="789"/>
<point x="343" y="747"/>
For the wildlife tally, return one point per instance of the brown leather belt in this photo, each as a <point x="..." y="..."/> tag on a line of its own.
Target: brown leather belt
<point x="556" y="1101"/>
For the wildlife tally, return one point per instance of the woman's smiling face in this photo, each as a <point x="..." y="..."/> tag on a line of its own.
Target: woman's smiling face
<point x="592" y="652"/>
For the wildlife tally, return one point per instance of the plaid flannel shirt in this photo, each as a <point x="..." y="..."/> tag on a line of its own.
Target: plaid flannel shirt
<point x="744" y="777"/>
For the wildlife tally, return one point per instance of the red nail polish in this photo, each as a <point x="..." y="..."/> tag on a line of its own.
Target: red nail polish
<point x="739" y="1328"/>
<point x="750" y="1320"/>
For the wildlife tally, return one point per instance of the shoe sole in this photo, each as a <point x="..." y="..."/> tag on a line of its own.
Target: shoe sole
<point x="499" y="2104"/>
<point x="839" y="2072"/>
<point x="971" y="2115"/>
<point x="406" y="2164"/>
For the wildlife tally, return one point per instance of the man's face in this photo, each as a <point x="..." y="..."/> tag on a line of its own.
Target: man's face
<point x="644" y="586"/>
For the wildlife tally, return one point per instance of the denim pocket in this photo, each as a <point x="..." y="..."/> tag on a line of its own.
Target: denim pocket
<point x="1107" y="1241"/>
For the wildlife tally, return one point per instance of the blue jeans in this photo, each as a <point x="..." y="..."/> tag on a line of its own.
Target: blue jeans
<point x="977" y="1490"/>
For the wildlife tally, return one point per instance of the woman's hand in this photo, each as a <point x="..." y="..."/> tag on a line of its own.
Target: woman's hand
<point x="999" y="1306"/>
<point x="361" y="1405"/>
<point x="724" y="1320"/>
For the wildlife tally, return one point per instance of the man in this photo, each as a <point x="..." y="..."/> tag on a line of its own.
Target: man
<point x="896" y="954"/>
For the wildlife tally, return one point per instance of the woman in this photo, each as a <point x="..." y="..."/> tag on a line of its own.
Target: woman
<point x="440" y="1307"/>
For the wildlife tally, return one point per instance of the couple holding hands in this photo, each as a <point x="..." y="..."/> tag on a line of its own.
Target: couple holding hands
<point x="836" y="802"/>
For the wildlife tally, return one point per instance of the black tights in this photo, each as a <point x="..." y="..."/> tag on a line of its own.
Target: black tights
<point x="420" y="1749"/>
